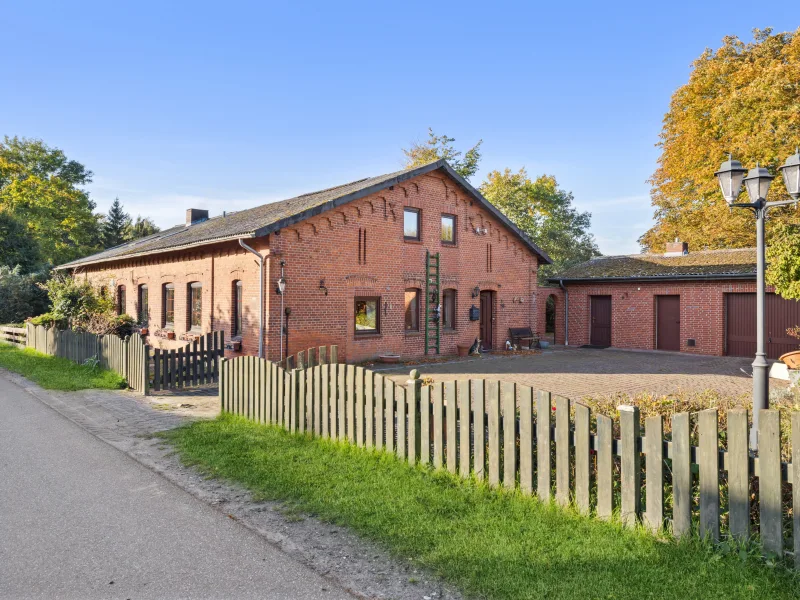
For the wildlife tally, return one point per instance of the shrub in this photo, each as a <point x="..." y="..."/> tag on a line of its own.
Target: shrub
<point x="20" y="295"/>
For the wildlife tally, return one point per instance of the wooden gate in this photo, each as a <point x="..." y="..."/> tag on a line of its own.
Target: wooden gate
<point x="668" y="323"/>
<point x="195" y="364"/>
<point x="740" y="327"/>
<point x="601" y="321"/>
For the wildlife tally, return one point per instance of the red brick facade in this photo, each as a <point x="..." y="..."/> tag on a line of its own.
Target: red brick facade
<point x="633" y="312"/>
<point x="356" y="250"/>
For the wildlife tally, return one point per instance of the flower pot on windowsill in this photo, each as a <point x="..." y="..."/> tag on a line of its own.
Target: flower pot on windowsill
<point x="463" y="349"/>
<point x="170" y="335"/>
<point x="233" y="345"/>
<point x="389" y="359"/>
<point x="144" y="331"/>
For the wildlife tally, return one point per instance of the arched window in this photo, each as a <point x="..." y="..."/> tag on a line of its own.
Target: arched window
<point x="194" y="310"/>
<point x="168" y="305"/>
<point x="121" y="300"/>
<point x="144" y="306"/>
<point x="238" y="305"/>
<point x="449" y="309"/>
<point x="412" y="309"/>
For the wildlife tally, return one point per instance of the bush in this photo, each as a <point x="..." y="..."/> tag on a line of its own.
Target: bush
<point x="21" y="295"/>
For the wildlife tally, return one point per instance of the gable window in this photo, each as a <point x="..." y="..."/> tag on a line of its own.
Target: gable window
<point x="195" y="306"/>
<point x="169" y="305"/>
<point x="144" y="306"/>
<point x="368" y="315"/>
<point x="120" y="299"/>
<point x="237" y="308"/>
<point x="411" y="224"/>
<point x="449" y="309"/>
<point x="412" y="309"/>
<point x="449" y="229"/>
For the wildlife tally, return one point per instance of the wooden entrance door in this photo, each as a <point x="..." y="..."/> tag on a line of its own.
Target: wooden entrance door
<point x="486" y="324"/>
<point x="740" y="329"/>
<point x="600" y="334"/>
<point x="668" y="323"/>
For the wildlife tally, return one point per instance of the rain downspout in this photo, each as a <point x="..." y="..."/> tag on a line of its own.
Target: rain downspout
<point x="260" y="297"/>
<point x="566" y="311"/>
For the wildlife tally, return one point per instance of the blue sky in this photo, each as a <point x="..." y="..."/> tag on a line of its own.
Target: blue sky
<point x="229" y="105"/>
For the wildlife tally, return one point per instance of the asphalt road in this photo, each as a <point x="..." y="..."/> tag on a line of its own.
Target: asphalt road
<point x="80" y="519"/>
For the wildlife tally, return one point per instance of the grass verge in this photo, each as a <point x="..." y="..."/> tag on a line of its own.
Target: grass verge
<point x="55" y="373"/>
<point x="490" y="543"/>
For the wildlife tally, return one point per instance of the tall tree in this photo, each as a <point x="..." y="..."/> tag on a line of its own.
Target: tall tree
<point x="545" y="213"/>
<point x="141" y="227"/>
<point x="17" y="247"/>
<point x="115" y="225"/>
<point x="440" y="146"/>
<point x="741" y="99"/>
<point x="39" y="186"/>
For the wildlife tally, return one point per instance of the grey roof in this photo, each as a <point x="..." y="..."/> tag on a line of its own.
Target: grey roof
<point x="739" y="263"/>
<point x="267" y="218"/>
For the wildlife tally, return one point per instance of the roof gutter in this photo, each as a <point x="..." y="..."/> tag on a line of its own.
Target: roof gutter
<point x="644" y="279"/>
<point x="260" y="297"/>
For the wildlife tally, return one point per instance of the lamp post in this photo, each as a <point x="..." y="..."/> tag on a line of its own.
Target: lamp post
<point x="731" y="176"/>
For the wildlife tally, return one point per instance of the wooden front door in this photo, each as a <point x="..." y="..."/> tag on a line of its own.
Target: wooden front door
<point x="740" y="329"/>
<point x="668" y="323"/>
<point x="601" y="321"/>
<point x="486" y="323"/>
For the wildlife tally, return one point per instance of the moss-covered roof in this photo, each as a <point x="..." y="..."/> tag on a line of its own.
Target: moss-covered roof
<point x="713" y="264"/>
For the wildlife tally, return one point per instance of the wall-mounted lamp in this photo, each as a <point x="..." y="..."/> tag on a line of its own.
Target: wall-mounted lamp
<point x="502" y="304"/>
<point x="322" y="286"/>
<point x="476" y="291"/>
<point x="481" y="231"/>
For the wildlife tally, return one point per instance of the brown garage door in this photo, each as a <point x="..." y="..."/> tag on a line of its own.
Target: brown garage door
<point x="740" y="313"/>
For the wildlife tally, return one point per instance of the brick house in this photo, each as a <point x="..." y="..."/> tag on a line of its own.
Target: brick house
<point x="700" y="302"/>
<point x="354" y="259"/>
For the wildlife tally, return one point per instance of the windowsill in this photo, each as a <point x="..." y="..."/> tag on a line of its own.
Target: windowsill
<point x="449" y="331"/>
<point x="413" y="333"/>
<point x="449" y="245"/>
<point x="367" y="336"/>
<point x="168" y="328"/>
<point x="412" y="241"/>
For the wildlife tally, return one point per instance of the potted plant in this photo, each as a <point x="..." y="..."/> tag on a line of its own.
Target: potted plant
<point x="463" y="349"/>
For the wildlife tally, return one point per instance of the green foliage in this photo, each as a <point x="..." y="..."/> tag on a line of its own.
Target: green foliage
<point x="39" y="186"/>
<point x="49" y="319"/>
<point x="55" y="373"/>
<point x="115" y="225"/>
<point x="17" y="247"/>
<point x="440" y="146"/>
<point x="21" y="295"/>
<point x="141" y="227"/>
<point x="783" y="260"/>
<point x="742" y="98"/>
<point x="77" y="303"/>
<point x="491" y="543"/>
<point x="545" y="213"/>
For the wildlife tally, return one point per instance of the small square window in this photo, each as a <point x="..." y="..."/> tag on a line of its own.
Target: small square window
<point x="368" y="315"/>
<point x="448" y="229"/>
<point x="411" y="224"/>
<point x="412" y="309"/>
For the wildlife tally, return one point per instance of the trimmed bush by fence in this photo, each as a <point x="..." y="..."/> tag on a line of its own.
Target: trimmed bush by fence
<point x="13" y="335"/>
<point x="512" y="436"/>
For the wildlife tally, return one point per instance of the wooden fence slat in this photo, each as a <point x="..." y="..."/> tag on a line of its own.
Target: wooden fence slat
<point x="157" y="369"/>
<point x="201" y="360"/>
<point x="630" y="464"/>
<point x="325" y="377"/>
<point x="334" y="355"/>
<point x="263" y="398"/>
<point x="526" y="439"/>
<point x="308" y="375"/>
<point x="274" y="411"/>
<point x="343" y="401"/>
<point x="654" y="469"/>
<point x="605" y="467"/>
<point x="317" y="375"/>
<point x="322" y="355"/>
<point x="359" y="391"/>
<point x="437" y="393"/>
<point x="543" y="433"/>
<point x="412" y="401"/>
<point x="476" y="387"/>
<point x="301" y="400"/>
<point x="769" y="481"/>
<point x="334" y="401"/>
<point x="193" y="362"/>
<point x="400" y="401"/>
<point x="451" y="445"/>
<point x="681" y="476"/>
<point x="738" y="465"/>
<point x="562" y="450"/>
<point x="425" y="424"/>
<point x="350" y="384"/>
<point x="380" y="421"/>
<point x="796" y="486"/>
<point x="464" y="412"/>
<point x="708" y="461"/>
<point x="493" y="410"/>
<point x="389" y="413"/>
<point x="369" y="409"/>
<point x="508" y="393"/>
<point x="583" y="458"/>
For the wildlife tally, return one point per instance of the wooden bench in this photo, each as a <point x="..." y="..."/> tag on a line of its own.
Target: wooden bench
<point x="519" y="335"/>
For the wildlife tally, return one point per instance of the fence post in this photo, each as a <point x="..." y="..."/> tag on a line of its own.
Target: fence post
<point x="738" y="465"/>
<point x="681" y="476"/>
<point x="708" y="458"/>
<point x="413" y="393"/>
<point x="630" y="463"/>
<point x="583" y="458"/>
<point x="223" y="381"/>
<point x="769" y="481"/>
<point x="654" y="467"/>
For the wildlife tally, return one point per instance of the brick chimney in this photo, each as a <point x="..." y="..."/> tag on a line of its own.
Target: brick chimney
<point x="677" y="248"/>
<point x="195" y="215"/>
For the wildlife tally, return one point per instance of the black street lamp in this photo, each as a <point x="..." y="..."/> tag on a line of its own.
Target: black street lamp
<point x="731" y="176"/>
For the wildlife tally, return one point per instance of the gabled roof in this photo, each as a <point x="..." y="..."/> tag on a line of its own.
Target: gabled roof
<point x="704" y="264"/>
<point x="268" y="218"/>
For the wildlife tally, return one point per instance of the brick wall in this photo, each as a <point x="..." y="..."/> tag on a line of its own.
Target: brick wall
<point x="325" y="249"/>
<point x="633" y="312"/>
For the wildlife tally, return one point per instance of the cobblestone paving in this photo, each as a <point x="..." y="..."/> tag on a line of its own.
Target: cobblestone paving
<point x="577" y="373"/>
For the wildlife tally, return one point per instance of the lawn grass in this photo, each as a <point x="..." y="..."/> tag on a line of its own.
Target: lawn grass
<point x="490" y="543"/>
<point x="55" y="373"/>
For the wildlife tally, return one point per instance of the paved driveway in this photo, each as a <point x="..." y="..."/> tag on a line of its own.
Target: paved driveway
<point x="577" y="373"/>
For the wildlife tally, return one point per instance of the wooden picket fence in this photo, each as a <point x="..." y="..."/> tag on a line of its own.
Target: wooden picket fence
<point x="145" y="368"/>
<point x="13" y="335"/>
<point x="195" y="364"/>
<point x="550" y="446"/>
